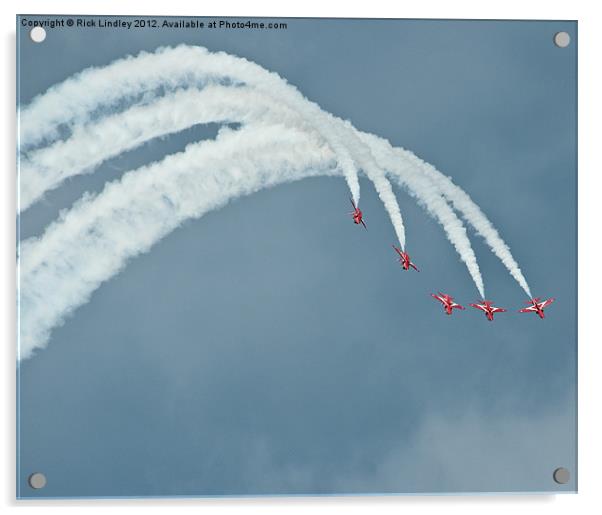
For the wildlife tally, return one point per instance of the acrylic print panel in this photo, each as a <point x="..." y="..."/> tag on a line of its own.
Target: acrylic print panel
<point x="202" y="310"/>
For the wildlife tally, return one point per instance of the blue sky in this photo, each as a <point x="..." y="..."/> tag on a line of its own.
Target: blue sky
<point x="272" y="347"/>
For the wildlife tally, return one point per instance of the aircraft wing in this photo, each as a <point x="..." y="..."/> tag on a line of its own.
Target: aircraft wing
<point x="527" y="310"/>
<point x="479" y="306"/>
<point x="438" y="298"/>
<point x="414" y="267"/>
<point x="399" y="252"/>
<point x="454" y="305"/>
<point x="498" y="310"/>
<point x="364" y="225"/>
<point x="546" y="303"/>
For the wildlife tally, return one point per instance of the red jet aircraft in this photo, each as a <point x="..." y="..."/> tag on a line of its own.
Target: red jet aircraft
<point x="404" y="259"/>
<point x="447" y="301"/>
<point x="488" y="309"/>
<point x="536" y="306"/>
<point x="357" y="216"/>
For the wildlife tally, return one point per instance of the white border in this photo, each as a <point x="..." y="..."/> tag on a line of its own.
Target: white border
<point x="590" y="171"/>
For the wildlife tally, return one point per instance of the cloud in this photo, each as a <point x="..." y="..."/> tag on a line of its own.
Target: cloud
<point x="475" y="452"/>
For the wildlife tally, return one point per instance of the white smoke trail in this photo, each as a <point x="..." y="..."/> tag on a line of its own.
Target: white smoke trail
<point x="375" y="173"/>
<point x="169" y="68"/>
<point x="462" y="202"/>
<point x="93" y="241"/>
<point x="385" y="192"/>
<point x="90" y="145"/>
<point x="471" y="213"/>
<point x="429" y="195"/>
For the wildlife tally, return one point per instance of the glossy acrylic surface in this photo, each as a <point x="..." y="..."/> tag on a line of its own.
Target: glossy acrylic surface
<point x="207" y="320"/>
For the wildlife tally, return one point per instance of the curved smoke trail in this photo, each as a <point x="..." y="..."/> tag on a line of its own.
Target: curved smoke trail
<point x="428" y="194"/>
<point x="233" y="91"/>
<point x="170" y="69"/>
<point x="94" y="239"/>
<point x="89" y="145"/>
<point x="471" y="213"/>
